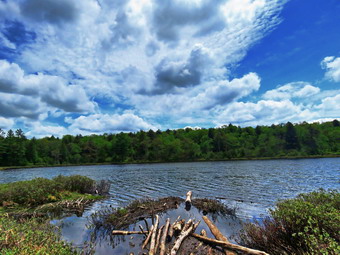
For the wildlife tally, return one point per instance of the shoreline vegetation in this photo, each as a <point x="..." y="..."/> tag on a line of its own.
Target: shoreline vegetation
<point x="165" y="162"/>
<point x="307" y="224"/>
<point x="26" y="208"/>
<point x="229" y="142"/>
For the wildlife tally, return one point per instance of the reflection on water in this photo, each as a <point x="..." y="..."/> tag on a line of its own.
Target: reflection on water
<point x="251" y="186"/>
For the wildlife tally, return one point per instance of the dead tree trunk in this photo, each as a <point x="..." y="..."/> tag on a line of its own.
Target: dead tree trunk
<point x="217" y="233"/>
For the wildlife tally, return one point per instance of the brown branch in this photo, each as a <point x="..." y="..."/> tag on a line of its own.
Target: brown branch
<point x="122" y="232"/>
<point x="228" y="245"/>
<point x="148" y="238"/>
<point x="163" y="239"/>
<point x="217" y="233"/>
<point x="153" y="237"/>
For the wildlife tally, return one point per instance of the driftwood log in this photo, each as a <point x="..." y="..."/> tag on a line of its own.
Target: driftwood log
<point x="231" y="246"/>
<point x="163" y="239"/>
<point x="217" y="233"/>
<point x="153" y="237"/>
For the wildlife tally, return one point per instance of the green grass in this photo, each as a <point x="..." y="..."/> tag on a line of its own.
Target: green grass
<point x="308" y="224"/>
<point x="31" y="237"/>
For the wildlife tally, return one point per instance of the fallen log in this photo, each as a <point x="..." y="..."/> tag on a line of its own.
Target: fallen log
<point x="153" y="237"/>
<point x="148" y="238"/>
<point x="217" y="233"/>
<point x="122" y="232"/>
<point x="231" y="246"/>
<point x="187" y="230"/>
<point x="163" y="239"/>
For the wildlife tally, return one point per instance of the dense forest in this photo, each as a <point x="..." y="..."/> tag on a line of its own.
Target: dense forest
<point x="226" y="142"/>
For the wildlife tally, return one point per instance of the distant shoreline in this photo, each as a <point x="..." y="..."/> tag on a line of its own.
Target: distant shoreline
<point x="164" y="162"/>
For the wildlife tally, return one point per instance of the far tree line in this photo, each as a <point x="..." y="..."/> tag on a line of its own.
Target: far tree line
<point x="227" y="142"/>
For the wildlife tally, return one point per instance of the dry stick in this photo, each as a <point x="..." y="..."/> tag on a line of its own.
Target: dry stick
<point x="158" y="238"/>
<point x="146" y="224"/>
<point x="163" y="239"/>
<point x="153" y="237"/>
<point x="171" y="229"/>
<point x="142" y="229"/>
<point x="148" y="238"/>
<point x="217" y="233"/>
<point x="228" y="245"/>
<point x="188" y="228"/>
<point x="121" y="232"/>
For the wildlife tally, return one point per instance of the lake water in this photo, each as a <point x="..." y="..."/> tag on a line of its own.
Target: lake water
<point x="251" y="186"/>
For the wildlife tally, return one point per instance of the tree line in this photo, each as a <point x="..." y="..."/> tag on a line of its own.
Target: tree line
<point x="227" y="142"/>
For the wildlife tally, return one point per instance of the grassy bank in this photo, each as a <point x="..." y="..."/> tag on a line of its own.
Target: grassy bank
<point x="31" y="236"/>
<point x="26" y="205"/>
<point x="308" y="224"/>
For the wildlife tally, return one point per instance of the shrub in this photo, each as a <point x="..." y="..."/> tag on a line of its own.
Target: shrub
<point x="308" y="224"/>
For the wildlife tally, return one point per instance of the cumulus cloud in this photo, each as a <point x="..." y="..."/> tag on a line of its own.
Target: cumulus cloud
<point x="176" y="74"/>
<point x="332" y="67"/>
<point x="19" y="106"/>
<point x="38" y="130"/>
<point x="171" y="17"/>
<point x="55" y="12"/>
<point x="99" y="123"/>
<point x="224" y="92"/>
<point x="265" y="112"/>
<point x="292" y="90"/>
<point x="51" y="90"/>
<point x="6" y="123"/>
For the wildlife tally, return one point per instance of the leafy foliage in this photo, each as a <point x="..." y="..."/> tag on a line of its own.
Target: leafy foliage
<point x="308" y="224"/>
<point x="226" y="142"/>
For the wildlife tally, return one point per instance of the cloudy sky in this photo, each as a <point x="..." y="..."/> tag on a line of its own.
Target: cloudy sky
<point x="95" y="66"/>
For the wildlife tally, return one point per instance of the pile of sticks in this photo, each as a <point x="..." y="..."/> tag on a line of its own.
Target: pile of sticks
<point x="158" y="239"/>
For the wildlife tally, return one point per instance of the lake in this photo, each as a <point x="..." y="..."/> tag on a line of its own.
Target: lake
<point x="251" y="186"/>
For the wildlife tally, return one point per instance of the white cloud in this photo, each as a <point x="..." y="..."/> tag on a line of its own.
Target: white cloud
<point x="38" y="130"/>
<point x="292" y="90"/>
<point x="6" y="123"/>
<point x="100" y="123"/>
<point x="332" y="66"/>
<point x="48" y="89"/>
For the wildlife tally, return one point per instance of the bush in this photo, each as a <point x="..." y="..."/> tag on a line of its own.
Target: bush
<point x="75" y="183"/>
<point x="308" y="224"/>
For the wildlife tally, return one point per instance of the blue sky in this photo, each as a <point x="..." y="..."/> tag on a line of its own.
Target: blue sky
<point x="95" y="66"/>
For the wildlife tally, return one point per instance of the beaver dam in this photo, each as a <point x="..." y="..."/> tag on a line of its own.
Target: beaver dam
<point x="170" y="225"/>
